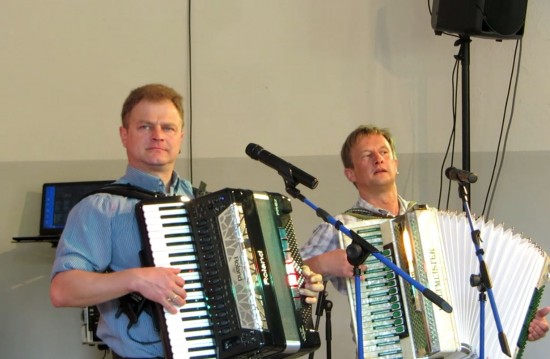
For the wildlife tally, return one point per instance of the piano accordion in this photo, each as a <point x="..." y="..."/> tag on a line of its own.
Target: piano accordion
<point x="242" y="269"/>
<point x="436" y="248"/>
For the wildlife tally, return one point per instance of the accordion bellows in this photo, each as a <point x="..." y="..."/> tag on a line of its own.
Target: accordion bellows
<point x="436" y="248"/>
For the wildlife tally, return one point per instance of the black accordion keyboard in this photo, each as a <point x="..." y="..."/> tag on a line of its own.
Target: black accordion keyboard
<point x="238" y="256"/>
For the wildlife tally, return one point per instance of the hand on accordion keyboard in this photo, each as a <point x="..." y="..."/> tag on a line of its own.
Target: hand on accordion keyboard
<point x="539" y="325"/>
<point x="313" y="285"/>
<point x="162" y="285"/>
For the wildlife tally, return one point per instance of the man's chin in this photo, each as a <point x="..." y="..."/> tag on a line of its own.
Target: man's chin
<point x="382" y="182"/>
<point x="160" y="163"/>
<point x="382" y="177"/>
<point x="160" y="159"/>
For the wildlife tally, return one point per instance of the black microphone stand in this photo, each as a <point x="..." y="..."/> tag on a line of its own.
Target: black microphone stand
<point x="324" y="304"/>
<point x="357" y="253"/>
<point x="464" y="57"/>
<point x="483" y="282"/>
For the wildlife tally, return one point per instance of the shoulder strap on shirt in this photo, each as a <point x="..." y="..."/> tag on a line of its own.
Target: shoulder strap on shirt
<point x="131" y="191"/>
<point x="201" y="191"/>
<point x="363" y="213"/>
<point x="127" y="190"/>
<point x="413" y="206"/>
<point x="132" y="304"/>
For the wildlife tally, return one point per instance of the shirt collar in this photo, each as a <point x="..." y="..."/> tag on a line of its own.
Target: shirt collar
<point x="148" y="181"/>
<point x="364" y="204"/>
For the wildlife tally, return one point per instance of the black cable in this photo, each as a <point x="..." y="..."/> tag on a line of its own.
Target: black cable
<point x="454" y="103"/>
<point x="190" y="88"/>
<point x="497" y="154"/>
<point x="452" y="137"/>
<point x="137" y="340"/>
<point x="499" y="159"/>
<point x="515" y="67"/>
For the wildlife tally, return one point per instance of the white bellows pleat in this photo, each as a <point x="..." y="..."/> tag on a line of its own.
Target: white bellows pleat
<point x="515" y="265"/>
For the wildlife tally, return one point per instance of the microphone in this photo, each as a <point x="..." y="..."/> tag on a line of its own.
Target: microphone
<point x="284" y="168"/>
<point x="454" y="174"/>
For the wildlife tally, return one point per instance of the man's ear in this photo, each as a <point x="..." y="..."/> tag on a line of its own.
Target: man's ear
<point x="350" y="174"/>
<point x="123" y="132"/>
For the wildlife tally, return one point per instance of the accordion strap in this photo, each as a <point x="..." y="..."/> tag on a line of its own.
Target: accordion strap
<point x="131" y="191"/>
<point x="363" y="213"/>
<point x="131" y="304"/>
<point x="127" y="190"/>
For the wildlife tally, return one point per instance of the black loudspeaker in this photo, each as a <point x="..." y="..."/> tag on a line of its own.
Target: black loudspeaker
<point x="493" y="19"/>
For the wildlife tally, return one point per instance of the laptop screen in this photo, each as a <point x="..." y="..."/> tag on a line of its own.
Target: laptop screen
<point x="57" y="201"/>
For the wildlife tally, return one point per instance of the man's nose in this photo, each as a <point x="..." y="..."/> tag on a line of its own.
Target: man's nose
<point x="378" y="157"/>
<point x="157" y="133"/>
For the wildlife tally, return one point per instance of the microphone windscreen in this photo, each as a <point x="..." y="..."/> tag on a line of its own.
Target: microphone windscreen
<point x="253" y="150"/>
<point x="448" y="172"/>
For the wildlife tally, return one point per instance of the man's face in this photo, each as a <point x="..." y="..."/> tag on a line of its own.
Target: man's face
<point x="153" y="137"/>
<point x="374" y="166"/>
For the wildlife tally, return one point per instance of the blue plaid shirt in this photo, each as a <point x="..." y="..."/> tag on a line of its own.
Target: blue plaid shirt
<point x="102" y="233"/>
<point x="325" y="237"/>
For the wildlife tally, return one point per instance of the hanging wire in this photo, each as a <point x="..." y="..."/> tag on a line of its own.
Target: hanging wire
<point x="503" y="139"/>
<point x="190" y="91"/>
<point x="491" y="190"/>
<point x="452" y="137"/>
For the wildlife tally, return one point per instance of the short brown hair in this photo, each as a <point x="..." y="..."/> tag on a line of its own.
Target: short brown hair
<point x="151" y="92"/>
<point x="355" y="135"/>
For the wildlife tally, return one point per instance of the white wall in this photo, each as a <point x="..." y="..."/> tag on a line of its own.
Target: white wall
<point x="292" y="76"/>
<point x="309" y="70"/>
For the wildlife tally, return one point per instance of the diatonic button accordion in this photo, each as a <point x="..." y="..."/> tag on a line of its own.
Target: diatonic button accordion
<point x="435" y="248"/>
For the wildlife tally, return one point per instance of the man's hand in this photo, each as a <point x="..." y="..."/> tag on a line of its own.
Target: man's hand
<point x="78" y="288"/>
<point x="164" y="286"/>
<point x="539" y="325"/>
<point x="334" y="263"/>
<point x="313" y="285"/>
